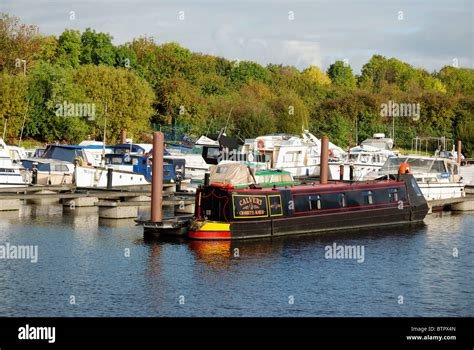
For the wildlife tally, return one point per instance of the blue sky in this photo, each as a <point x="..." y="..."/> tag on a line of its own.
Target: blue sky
<point x="431" y="34"/>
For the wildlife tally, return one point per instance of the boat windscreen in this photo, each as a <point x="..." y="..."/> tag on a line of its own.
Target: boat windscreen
<point x="59" y="153"/>
<point x="420" y="165"/>
<point x="197" y="149"/>
<point x="392" y="164"/>
<point x="354" y="157"/>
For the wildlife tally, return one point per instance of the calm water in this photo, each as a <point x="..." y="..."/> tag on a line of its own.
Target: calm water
<point x="84" y="256"/>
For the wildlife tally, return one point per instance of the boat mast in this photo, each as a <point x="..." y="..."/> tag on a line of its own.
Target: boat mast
<point x="105" y="127"/>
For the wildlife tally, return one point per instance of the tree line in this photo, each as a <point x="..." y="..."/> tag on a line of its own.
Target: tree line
<point x="143" y="83"/>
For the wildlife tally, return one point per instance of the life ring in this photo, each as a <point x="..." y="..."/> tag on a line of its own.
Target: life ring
<point x="260" y="144"/>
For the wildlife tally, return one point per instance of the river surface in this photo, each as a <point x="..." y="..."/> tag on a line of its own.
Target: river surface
<point x="93" y="267"/>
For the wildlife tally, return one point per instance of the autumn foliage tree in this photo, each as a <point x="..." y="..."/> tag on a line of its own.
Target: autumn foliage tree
<point x="146" y="84"/>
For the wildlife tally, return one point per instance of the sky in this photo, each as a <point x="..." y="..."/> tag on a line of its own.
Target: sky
<point x="425" y="33"/>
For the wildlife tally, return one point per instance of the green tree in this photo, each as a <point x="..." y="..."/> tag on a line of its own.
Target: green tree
<point x="251" y="110"/>
<point x="129" y="99"/>
<point x="97" y="48"/>
<point x="341" y="74"/>
<point x="13" y="102"/>
<point x="243" y="72"/>
<point x="69" y="48"/>
<point x="463" y="124"/>
<point x="125" y="57"/>
<point x="49" y="87"/>
<point x="291" y="114"/>
<point x="49" y="49"/>
<point x="457" y="80"/>
<point x="180" y="102"/>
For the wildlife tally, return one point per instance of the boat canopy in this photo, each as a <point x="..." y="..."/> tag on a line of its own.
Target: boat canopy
<point x="234" y="174"/>
<point x="48" y="165"/>
<point x="242" y="175"/>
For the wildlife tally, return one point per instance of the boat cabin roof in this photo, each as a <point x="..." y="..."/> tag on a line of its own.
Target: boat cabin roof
<point x="48" y="164"/>
<point x="241" y="175"/>
<point x="45" y="161"/>
<point x="140" y="148"/>
<point x="330" y="186"/>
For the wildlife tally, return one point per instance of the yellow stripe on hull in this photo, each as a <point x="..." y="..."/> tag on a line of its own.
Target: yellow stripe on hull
<point x="215" y="226"/>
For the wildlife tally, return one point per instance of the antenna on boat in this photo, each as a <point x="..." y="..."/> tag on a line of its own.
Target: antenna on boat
<point x="24" y="121"/>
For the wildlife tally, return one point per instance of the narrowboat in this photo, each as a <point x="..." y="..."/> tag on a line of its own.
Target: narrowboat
<point x="224" y="212"/>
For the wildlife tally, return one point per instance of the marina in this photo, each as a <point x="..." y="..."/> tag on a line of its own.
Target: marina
<point x="198" y="168"/>
<point x="444" y="188"/>
<point x="114" y="254"/>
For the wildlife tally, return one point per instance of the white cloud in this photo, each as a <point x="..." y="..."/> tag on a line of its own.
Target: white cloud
<point x="433" y="31"/>
<point x="303" y="53"/>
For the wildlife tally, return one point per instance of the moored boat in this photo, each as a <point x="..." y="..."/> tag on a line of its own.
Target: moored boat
<point x="438" y="178"/>
<point x="358" y="162"/>
<point x="51" y="172"/>
<point x="127" y="165"/>
<point x="224" y="212"/>
<point x="12" y="174"/>
<point x="298" y="155"/>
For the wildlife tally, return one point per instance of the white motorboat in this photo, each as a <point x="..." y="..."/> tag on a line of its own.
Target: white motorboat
<point x="298" y="155"/>
<point x="128" y="165"/>
<point x="52" y="172"/>
<point x="198" y="158"/>
<point x="437" y="177"/>
<point x="12" y="174"/>
<point x="359" y="162"/>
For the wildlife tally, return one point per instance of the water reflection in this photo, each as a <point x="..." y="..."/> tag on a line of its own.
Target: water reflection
<point x="34" y="210"/>
<point x="451" y="223"/>
<point x="214" y="254"/>
<point x="43" y="201"/>
<point x="82" y="218"/>
<point x="222" y="255"/>
<point x="117" y="223"/>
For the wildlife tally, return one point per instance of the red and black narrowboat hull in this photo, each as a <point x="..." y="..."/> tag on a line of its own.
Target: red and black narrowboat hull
<point x="224" y="213"/>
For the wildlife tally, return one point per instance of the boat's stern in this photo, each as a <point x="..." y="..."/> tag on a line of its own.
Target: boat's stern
<point x="209" y="230"/>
